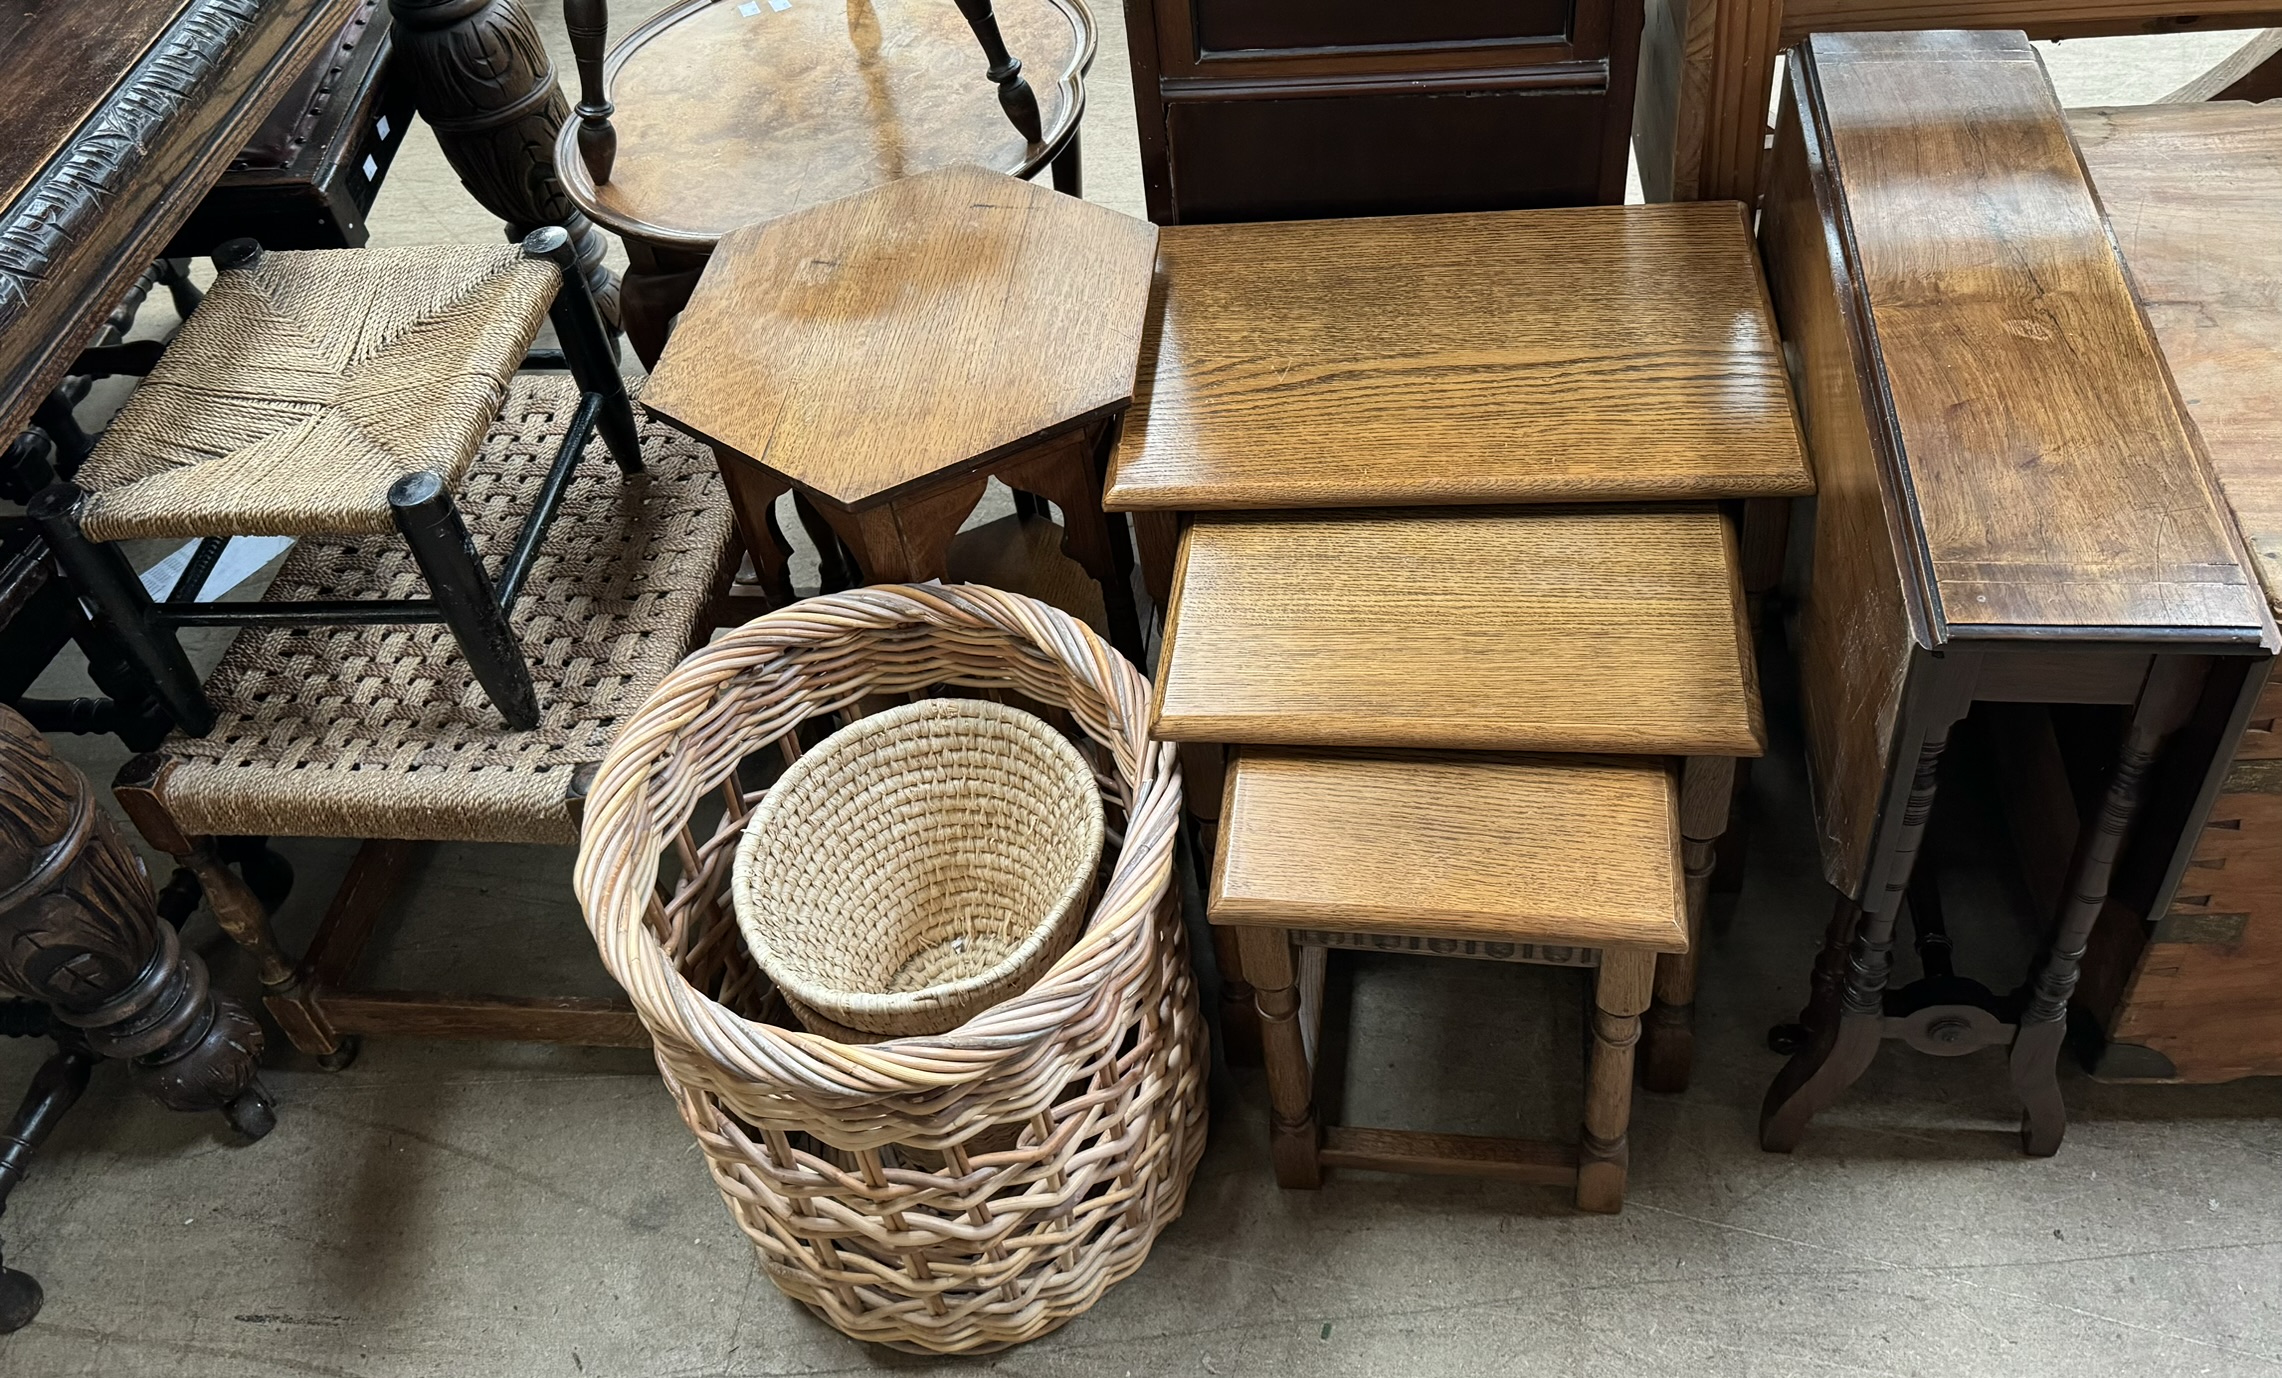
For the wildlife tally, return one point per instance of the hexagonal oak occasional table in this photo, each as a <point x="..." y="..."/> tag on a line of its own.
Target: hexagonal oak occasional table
<point x="885" y="354"/>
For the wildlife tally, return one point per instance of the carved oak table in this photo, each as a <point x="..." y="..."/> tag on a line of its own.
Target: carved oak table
<point x="80" y="932"/>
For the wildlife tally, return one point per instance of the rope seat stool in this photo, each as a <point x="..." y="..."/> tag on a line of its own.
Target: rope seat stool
<point x="343" y="392"/>
<point x="958" y="1192"/>
<point x="919" y="866"/>
<point x="380" y="732"/>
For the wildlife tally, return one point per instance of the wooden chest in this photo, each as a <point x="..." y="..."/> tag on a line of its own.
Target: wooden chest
<point x="1282" y="109"/>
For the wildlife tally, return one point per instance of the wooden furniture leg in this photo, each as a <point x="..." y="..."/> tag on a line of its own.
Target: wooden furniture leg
<point x="658" y="285"/>
<point x="1204" y="777"/>
<point x="1706" y="69"/>
<point x="1294" y="1137"/>
<point x="240" y="913"/>
<point x="482" y="80"/>
<point x="2173" y="686"/>
<point x="753" y="492"/>
<point x="81" y="933"/>
<point x="1706" y="789"/>
<point x="1621" y="991"/>
<point x="907" y="540"/>
<point x="1069" y="477"/>
<point x="1157" y="541"/>
<point x="1840" y="1048"/>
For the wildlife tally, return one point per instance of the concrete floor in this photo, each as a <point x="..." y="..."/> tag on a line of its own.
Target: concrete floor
<point x="456" y="1209"/>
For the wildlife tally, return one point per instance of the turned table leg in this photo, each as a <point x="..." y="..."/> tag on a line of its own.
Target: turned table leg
<point x="237" y="909"/>
<point x="1621" y="990"/>
<point x="482" y="80"/>
<point x="80" y="931"/>
<point x="1839" y="1050"/>
<point x="1294" y="1137"/>
<point x="2165" y="703"/>
<point x="1706" y="787"/>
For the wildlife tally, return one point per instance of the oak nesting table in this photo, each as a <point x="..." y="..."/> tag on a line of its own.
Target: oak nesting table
<point x="1445" y="515"/>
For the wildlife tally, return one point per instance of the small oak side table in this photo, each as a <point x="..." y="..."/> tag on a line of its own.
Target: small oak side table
<point x="884" y="355"/>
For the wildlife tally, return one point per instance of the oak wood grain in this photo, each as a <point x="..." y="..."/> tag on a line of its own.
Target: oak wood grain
<point x="1609" y="352"/>
<point x="1521" y="849"/>
<point x="726" y="118"/>
<point x="1609" y="630"/>
<point x="909" y="332"/>
<point x="2195" y="195"/>
<point x="2051" y="478"/>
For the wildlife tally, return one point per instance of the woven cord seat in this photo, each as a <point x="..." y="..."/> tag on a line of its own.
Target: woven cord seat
<point x="307" y="384"/>
<point x="338" y="393"/>
<point x="379" y="732"/>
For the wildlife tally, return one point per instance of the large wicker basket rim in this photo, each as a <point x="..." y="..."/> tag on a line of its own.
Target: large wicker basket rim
<point x="833" y="751"/>
<point x="670" y="752"/>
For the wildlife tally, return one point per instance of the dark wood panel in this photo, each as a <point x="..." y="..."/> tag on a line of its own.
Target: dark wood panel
<point x="1391" y="153"/>
<point x="1855" y="632"/>
<point x="57" y="59"/>
<point x="142" y="151"/>
<point x="1236" y="24"/>
<point x="2051" y="475"/>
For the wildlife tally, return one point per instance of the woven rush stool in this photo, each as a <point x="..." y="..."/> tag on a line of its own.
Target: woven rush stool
<point x="337" y="393"/>
<point x="1567" y="860"/>
<point x="380" y="733"/>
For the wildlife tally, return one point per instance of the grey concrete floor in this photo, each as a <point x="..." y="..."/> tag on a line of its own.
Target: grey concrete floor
<point x="454" y="1209"/>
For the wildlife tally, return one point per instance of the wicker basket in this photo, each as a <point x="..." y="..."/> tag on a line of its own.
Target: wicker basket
<point x="949" y="1193"/>
<point x="919" y="866"/>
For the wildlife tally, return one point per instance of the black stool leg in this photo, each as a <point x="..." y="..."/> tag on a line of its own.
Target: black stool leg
<point x="100" y="573"/>
<point x="53" y="1090"/>
<point x="586" y="347"/>
<point x="446" y="555"/>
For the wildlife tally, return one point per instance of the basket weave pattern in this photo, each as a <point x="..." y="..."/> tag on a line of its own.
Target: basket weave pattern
<point x="951" y="1193"/>
<point x="919" y="866"/>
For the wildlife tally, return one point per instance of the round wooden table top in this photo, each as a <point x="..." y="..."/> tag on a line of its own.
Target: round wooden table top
<point x="731" y="112"/>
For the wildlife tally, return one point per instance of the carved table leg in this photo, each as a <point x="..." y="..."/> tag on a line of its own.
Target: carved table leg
<point x="1839" y="1051"/>
<point x="1621" y="991"/>
<point x="2169" y="697"/>
<point x="1706" y="787"/>
<point x="79" y="930"/>
<point x="1294" y="1135"/>
<point x="482" y="80"/>
<point x="753" y="492"/>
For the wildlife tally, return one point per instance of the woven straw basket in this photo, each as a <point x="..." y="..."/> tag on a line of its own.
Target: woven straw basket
<point x="919" y="866"/>
<point x="950" y="1193"/>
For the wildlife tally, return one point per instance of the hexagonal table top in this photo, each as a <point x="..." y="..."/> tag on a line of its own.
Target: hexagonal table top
<point x="918" y="329"/>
